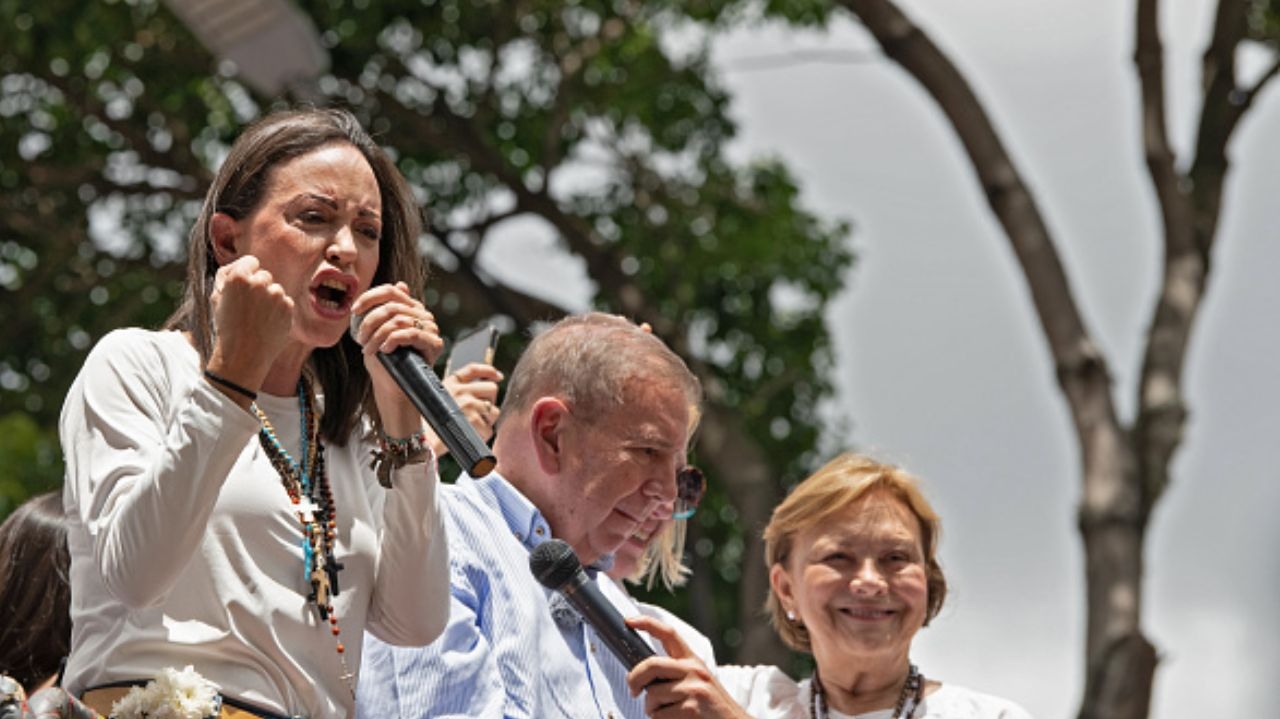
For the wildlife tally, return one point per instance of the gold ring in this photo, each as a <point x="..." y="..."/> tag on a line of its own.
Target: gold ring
<point x="417" y="325"/>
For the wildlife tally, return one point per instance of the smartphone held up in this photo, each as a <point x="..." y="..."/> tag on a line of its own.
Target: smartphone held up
<point x="476" y="346"/>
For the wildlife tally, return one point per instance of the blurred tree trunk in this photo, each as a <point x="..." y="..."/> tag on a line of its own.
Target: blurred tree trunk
<point x="1124" y="467"/>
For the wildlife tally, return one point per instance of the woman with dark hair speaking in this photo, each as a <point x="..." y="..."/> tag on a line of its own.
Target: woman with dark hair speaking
<point x="223" y="511"/>
<point x="854" y="574"/>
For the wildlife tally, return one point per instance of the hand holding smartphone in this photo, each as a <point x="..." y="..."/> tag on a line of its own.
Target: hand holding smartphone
<point x="479" y="346"/>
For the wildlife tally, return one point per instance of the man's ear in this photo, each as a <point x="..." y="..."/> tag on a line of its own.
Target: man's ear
<point x="224" y="231"/>
<point x="548" y="421"/>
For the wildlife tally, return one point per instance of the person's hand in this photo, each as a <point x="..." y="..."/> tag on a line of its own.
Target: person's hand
<point x="393" y="318"/>
<point x="678" y="686"/>
<point x="252" y="319"/>
<point x="57" y="702"/>
<point x="475" y="389"/>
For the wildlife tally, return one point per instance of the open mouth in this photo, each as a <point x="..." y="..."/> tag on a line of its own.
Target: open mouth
<point x="333" y="294"/>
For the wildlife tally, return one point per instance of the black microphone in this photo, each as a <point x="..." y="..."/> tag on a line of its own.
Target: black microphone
<point x="557" y="567"/>
<point x="435" y="403"/>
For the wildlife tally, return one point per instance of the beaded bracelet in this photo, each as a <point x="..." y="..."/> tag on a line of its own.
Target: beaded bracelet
<point x="396" y="452"/>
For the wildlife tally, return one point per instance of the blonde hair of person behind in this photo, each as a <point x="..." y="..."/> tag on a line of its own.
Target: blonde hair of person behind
<point x="843" y="481"/>
<point x="664" y="557"/>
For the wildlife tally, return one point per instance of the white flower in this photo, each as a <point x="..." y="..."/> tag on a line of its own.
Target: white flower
<point x="171" y="695"/>
<point x="134" y="705"/>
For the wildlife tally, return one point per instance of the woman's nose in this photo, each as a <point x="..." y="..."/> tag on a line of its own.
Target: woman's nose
<point x="867" y="578"/>
<point x="342" y="247"/>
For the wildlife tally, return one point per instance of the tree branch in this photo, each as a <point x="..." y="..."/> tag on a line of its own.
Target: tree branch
<point x="1190" y="226"/>
<point x="1251" y="94"/>
<point x="1081" y="368"/>
<point x="478" y="229"/>
<point x="134" y="134"/>
<point x="1161" y="163"/>
<point x="1111" y="514"/>
<point x="1217" y="121"/>
<point x="570" y="66"/>
<point x="485" y="296"/>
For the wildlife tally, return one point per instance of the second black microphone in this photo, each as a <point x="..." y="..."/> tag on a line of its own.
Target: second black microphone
<point x="557" y="567"/>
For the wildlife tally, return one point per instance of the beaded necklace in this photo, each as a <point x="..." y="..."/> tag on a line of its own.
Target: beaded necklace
<point x="908" y="699"/>
<point x="309" y="491"/>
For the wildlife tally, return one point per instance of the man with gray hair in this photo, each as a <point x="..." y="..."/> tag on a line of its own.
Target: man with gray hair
<point x="594" y="429"/>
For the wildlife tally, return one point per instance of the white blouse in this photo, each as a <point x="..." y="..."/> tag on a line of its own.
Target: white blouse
<point x="185" y="548"/>
<point x="766" y="692"/>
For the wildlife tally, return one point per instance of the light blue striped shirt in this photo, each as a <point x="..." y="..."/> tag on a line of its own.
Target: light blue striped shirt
<point x="512" y="648"/>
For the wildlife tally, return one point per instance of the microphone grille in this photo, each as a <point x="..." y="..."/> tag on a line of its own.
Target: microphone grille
<point x="355" y="324"/>
<point x="553" y="563"/>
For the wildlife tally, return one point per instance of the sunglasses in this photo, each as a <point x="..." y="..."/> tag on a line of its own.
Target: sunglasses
<point x="691" y="484"/>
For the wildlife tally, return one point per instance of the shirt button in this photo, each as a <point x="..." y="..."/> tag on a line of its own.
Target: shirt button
<point x="592" y="647"/>
<point x="538" y="531"/>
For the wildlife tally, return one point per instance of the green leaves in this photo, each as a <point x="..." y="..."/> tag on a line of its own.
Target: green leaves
<point x="28" y="460"/>
<point x="1264" y="21"/>
<point x="603" y="118"/>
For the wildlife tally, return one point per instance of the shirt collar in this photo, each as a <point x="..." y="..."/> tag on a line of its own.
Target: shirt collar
<point x="523" y="519"/>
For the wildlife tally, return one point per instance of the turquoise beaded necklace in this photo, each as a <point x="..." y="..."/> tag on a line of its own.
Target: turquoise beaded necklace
<point x="307" y="484"/>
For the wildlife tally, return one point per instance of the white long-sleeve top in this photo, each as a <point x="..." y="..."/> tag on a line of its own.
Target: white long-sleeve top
<point x="185" y="547"/>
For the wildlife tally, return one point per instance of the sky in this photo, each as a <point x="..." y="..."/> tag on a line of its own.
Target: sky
<point x="942" y="366"/>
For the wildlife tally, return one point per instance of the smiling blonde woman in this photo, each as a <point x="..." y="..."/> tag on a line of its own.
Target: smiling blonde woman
<point x="854" y="575"/>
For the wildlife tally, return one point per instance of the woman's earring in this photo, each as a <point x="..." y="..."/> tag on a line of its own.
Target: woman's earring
<point x="791" y="616"/>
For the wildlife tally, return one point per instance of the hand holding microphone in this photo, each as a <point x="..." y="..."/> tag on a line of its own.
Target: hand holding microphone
<point x="679" y="681"/>
<point x="557" y="567"/>
<point x="679" y="684"/>
<point x="401" y="328"/>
